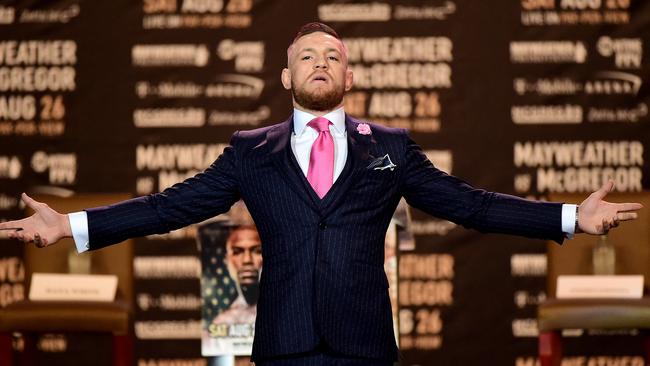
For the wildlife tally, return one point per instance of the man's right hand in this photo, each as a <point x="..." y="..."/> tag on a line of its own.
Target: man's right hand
<point x="43" y="228"/>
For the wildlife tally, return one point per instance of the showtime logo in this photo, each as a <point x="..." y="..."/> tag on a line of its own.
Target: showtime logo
<point x="62" y="167"/>
<point x="627" y="52"/>
<point x="248" y="56"/>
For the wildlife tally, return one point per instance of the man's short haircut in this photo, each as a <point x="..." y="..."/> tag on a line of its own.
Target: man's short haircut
<point x="314" y="27"/>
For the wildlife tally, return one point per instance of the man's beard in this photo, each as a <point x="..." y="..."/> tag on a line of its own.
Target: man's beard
<point x="317" y="101"/>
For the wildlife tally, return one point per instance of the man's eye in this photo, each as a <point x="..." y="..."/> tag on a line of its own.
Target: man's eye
<point x="306" y="57"/>
<point x="334" y="58"/>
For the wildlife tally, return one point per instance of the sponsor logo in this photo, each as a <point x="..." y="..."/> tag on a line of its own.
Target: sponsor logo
<point x="227" y="118"/>
<point x="226" y="86"/>
<point x="603" y="83"/>
<point x="432" y="227"/>
<point x="235" y="86"/>
<point x="177" y="267"/>
<point x="547" y="86"/>
<point x="627" y="52"/>
<point x="170" y="55"/>
<point x="49" y="15"/>
<point x="618" y="115"/>
<point x="62" y="167"/>
<point x="169" y="117"/>
<point x="539" y="52"/>
<point x="166" y="89"/>
<point x="372" y="12"/>
<point x="441" y="12"/>
<point x="546" y="114"/>
<point x="613" y="82"/>
<point x="248" y="56"/>
<point x="168" y="329"/>
<point x="168" y="302"/>
<point x="522" y="265"/>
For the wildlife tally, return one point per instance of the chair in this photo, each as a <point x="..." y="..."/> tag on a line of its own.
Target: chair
<point x="33" y="317"/>
<point x="632" y="242"/>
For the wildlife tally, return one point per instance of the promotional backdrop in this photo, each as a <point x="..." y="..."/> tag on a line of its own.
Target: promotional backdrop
<point x="526" y="97"/>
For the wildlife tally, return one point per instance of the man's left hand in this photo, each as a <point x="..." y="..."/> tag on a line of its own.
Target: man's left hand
<point x="596" y="216"/>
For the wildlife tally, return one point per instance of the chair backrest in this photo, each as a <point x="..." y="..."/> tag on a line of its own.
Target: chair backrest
<point x="631" y="240"/>
<point x="115" y="259"/>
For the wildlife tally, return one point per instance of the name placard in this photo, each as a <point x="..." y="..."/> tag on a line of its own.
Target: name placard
<point x="619" y="286"/>
<point x="77" y="287"/>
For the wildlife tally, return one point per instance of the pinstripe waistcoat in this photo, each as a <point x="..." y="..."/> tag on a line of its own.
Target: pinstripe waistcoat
<point x="323" y="278"/>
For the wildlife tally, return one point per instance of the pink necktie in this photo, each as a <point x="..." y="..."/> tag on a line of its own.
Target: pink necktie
<point x="321" y="160"/>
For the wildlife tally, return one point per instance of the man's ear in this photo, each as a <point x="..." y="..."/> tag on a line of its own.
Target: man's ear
<point x="286" y="78"/>
<point x="349" y="79"/>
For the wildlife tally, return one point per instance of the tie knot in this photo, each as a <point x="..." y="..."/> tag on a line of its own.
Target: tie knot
<point x="320" y="124"/>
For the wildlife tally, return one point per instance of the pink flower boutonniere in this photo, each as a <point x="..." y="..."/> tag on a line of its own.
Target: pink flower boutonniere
<point x="363" y="129"/>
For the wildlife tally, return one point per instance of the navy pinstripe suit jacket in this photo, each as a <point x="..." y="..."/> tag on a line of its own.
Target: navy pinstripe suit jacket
<point x="323" y="278"/>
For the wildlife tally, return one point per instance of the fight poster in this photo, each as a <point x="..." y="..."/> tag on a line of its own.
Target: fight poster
<point x="231" y="265"/>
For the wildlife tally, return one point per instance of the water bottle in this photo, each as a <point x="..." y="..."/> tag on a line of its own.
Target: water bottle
<point x="78" y="263"/>
<point x="604" y="256"/>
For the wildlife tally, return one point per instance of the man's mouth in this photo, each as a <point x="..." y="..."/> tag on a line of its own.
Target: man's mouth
<point x="319" y="78"/>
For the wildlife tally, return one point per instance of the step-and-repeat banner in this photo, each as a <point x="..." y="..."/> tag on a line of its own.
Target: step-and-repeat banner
<point x="526" y="97"/>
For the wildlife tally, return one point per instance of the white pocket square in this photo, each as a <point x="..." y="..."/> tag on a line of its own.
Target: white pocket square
<point x="382" y="163"/>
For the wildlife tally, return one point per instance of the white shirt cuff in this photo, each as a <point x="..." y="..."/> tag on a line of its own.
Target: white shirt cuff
<point x="79" y="228"/>
<point x="569" y="220"/>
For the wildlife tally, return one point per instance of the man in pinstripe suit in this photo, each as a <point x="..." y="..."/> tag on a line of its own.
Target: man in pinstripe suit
<point x="323" y="293"/>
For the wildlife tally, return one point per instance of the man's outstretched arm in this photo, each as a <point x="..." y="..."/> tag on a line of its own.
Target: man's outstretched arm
<point x="198" y="198"/>
<point x="448" y="197"/>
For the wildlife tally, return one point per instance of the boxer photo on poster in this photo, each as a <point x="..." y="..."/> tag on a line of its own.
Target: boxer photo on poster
<point x="231" y="261"/>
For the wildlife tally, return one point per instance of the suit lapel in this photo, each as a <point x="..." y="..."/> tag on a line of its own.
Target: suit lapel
<point x="279" y="143"/>
<point x="357" y="160"/>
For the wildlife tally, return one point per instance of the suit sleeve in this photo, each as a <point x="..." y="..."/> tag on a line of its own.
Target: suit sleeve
<point x="445" y="196"/>
<point x="198" y="198"/>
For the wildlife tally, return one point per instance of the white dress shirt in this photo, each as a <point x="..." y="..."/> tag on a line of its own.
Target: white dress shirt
<point x="304" y="136"/>
<point x="301" y="140"/>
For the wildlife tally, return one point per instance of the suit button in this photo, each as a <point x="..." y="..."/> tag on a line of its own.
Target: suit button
<point x="322" y="225"/>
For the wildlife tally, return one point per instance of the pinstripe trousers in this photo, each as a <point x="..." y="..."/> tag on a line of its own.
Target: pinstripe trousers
<point x="322" y="356"/>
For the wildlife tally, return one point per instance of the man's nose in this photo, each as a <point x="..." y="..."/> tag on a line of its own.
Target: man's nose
<point x="248" y="256"/>
<point x="320" y="64"/>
